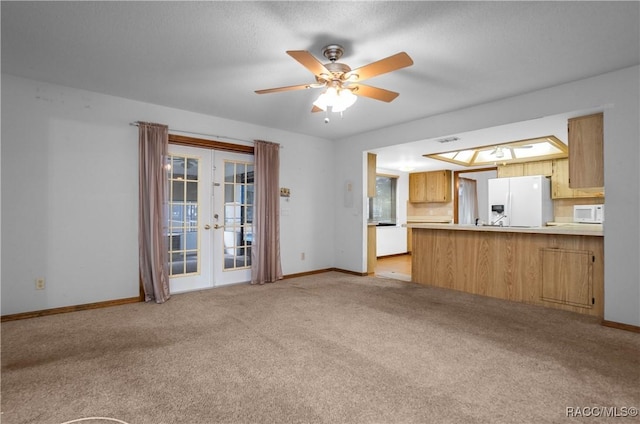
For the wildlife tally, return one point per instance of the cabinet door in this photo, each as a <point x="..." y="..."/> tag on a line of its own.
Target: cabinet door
<point x="418" y="187"/>
<point x="542" y="167"/>
<point x="433" y="186"/>
<point x="439" y="186"/>
<point x="512" y="170"/>
<point x="567" y="277"/>
<point x="560" y="183"/>
<point x="586" y="154"/>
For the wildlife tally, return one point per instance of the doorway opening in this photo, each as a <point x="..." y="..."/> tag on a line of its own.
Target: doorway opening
<point x="397" y="267"/>
<point x="470" y="195"/>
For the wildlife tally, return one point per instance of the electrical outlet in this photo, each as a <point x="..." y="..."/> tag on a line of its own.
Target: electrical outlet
<point x="39" y="283"/>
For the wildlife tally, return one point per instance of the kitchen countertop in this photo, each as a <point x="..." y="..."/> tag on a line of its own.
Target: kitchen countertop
<point x="565" y="229"/>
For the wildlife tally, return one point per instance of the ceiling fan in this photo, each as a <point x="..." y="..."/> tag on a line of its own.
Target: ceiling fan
<point x="498" y="151"/>
<point x="341" y="83"/>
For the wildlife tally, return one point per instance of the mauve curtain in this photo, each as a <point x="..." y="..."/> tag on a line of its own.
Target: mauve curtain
<point x="265" y="250"/>
<point x="153" y="142"/>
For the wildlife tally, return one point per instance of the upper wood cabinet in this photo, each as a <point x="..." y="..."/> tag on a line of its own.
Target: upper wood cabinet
<point x="433" y="186"/>
<point x="560" y="183"/>
<point x="371" y="175"/>
<point x="542" y="167"/>
<point x="417" y="187"/>
<point x="558" y="170"/>
<point x="439" y="186"/>
<point x="586" y="151"/>
<point x="511" y="170"/>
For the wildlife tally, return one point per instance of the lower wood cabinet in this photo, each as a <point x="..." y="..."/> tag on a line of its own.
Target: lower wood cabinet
<point x="567" y="277"/>
<point x="553" y="270"/>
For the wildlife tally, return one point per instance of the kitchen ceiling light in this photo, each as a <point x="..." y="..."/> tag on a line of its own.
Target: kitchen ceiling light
<point x="541" y="148"/>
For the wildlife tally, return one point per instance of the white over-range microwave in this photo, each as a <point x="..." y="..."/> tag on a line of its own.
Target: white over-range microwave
<point x="589" y="214"/>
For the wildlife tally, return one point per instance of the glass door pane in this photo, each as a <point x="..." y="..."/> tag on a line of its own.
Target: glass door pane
<point x="184" y="255"/>
<point x="238" y="214"/>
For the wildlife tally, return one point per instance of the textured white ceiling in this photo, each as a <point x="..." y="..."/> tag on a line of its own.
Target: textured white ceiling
<point x="209" y="57"/>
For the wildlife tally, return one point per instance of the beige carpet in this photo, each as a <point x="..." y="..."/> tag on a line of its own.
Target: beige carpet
<point x="328" y="348"/>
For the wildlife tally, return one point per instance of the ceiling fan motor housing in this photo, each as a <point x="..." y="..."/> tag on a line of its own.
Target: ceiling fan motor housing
<point x="333" y="52"/>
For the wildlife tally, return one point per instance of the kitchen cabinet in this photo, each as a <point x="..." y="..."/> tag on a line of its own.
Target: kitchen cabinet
<point x="548" y="267"/>
<point x="586" y="151"/>
<point x="511" y="170"/>
<point x="432" y="186"/>
<point x="560" y="183"/>
<point x="543" y="167"/>
<point x="567" y="277"/>
<point x="417" y="187"/>
<point x="371" y="174"/>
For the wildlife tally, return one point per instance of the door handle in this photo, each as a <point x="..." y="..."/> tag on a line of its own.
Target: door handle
<point x="207" y="227"/>
<point x="216" y="226"/>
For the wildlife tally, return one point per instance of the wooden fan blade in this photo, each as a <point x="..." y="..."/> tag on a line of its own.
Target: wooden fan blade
<point x="309" y="61"/>
<point x="391" y="63"/>
<point x="289" y="88"/>
<point x="374" y="92"/>
<point x="316" y="109"/>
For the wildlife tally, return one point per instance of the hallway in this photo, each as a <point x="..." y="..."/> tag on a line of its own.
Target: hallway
<point x="395" y="266"/>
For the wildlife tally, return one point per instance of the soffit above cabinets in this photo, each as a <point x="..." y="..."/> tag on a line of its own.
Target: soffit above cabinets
<point x="529" y="150"/>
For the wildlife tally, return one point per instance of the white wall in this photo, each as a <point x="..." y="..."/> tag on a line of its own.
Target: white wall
<point x="393" y="240"/>
<point x="618" y="93"/>
<point x="70" y="193"/>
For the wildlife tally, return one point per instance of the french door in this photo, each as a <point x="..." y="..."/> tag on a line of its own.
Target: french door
<point x="210" y="218"/>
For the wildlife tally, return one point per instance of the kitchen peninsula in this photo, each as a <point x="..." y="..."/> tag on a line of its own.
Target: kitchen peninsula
<point x="554" y="266"/>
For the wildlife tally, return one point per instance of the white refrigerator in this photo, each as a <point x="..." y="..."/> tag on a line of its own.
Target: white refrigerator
<point x="520" y="201"/>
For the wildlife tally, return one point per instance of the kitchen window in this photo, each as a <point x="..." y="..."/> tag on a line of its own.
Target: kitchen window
<point x="384" y="205"/>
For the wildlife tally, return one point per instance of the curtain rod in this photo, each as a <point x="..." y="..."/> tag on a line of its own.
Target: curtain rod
<point x="135" y="124"/>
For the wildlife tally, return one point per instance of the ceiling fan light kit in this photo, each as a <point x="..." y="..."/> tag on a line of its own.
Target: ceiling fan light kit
<point x="342" y="84"/>
<point x="338" y="99"/>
